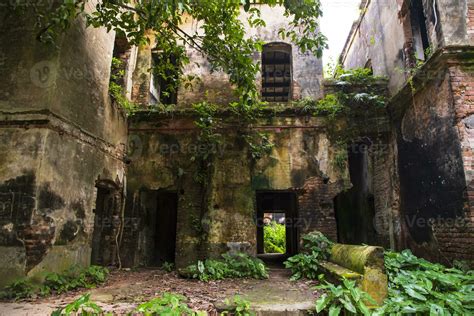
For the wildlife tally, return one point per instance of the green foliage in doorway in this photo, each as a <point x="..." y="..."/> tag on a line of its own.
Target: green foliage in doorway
<point x="274" y="238"/>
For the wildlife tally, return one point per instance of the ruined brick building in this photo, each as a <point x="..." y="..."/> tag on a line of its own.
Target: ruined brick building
<point x="81" y="183"/>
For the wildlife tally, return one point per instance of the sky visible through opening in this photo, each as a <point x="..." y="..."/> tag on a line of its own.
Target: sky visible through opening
<point x="337" y="20"/>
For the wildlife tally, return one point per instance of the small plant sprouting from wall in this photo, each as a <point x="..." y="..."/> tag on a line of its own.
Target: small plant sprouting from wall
<point x="340" y="156"/>
<point x="346" y="101"/>
<point x="259" y="145"/>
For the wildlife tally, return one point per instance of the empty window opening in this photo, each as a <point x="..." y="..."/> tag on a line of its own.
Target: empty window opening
<point x="276" y="72"/>
<point x="420" y="34"/>
<point x="164" y="81"/>
<point x="277" y="224"/>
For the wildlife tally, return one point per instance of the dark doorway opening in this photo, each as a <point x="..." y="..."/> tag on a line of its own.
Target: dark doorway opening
<point x="277" y="208"/>
<point x="355" y="208"/>
<point x="105" y="229"/>
<point x="165" y="227"/>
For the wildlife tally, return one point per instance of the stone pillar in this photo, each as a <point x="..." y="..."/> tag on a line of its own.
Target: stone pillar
<point x="143" y="72"/>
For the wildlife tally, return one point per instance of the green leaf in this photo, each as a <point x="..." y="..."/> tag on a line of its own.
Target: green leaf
<point x="334" y="310"/>
<point x="410" y="291"/>
<point x="322" y="302"/>
<point x="348" y="305"/>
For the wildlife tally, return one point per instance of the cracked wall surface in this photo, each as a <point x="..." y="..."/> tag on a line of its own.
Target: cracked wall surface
<point x="59" y="134"/>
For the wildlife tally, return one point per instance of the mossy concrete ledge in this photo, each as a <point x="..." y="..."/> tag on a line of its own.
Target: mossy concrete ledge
<point x="364" y="264"/>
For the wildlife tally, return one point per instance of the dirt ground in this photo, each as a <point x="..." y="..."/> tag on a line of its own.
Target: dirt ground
<point x="124" y="290"/>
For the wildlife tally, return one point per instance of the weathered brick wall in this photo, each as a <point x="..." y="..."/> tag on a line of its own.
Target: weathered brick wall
<point x="456" y="237"/>
<point x="470" y="20"/>
<point x="316" y="206"/>
<point x="386" y="222"/>
<point x="434" y="160"/>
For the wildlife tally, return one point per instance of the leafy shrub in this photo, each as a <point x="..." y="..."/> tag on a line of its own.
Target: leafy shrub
<point x="168" y="266"/>
<point x="82" y="306"/>
<point x="240" y="307"/>
<point x="331" y="105"/>
<point x="238" y="265"/>
<point x="303" y="266"/>
<point x="316" y="241"/>
<point x="345" y="296"/>
<point x="355" y="76"/>
<point x="274" y="238"/>
<point x="167" y="304"/>
<point x="75" y="278"/>
<point x="57" y="282"/>
<point x="19" y="289"/>
<point x="418" y="286"/>
<point x="315" y="247"/>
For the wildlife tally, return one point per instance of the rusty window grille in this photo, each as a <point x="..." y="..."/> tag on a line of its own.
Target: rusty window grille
<point x="276" y="72"/>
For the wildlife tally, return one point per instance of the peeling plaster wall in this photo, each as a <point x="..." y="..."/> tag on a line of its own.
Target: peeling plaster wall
<point x="59" y="134"/>
<point x="378" y="37"/>
<point x="383" y="35"/>
<point x="215" y="87"/>
<point x="300" y="162"/>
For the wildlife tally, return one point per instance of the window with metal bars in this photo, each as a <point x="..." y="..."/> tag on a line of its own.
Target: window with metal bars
<point x="276" y="72"/>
